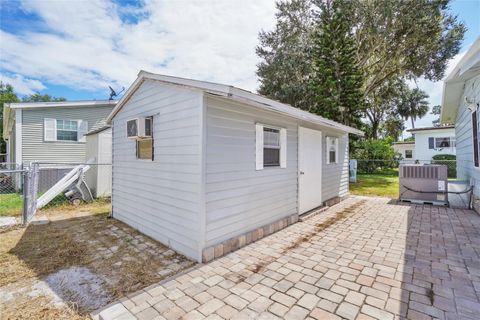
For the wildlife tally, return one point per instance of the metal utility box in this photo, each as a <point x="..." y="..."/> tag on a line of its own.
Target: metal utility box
<point x="424" y="183"/>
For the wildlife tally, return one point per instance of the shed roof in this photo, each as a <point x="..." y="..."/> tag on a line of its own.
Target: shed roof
<point x="232" y="93"/>
<point x="467" y="68"/>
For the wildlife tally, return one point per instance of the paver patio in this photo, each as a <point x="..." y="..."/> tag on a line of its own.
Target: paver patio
<point x="365" y="258"/>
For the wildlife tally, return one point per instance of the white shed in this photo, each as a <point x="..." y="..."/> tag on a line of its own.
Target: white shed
<point x="207" y="168"/>
<point x="99" y="150"/>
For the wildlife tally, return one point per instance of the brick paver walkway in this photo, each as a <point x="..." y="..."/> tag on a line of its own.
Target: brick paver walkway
<point x="361" y="259"/>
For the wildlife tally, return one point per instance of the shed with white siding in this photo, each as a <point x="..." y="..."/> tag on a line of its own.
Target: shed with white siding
<point x="206" y="168"/>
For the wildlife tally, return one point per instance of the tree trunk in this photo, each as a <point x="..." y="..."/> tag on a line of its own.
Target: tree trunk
<point x="413" y="123"/>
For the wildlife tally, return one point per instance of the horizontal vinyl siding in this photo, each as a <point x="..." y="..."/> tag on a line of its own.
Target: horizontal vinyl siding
<point x="238" y="197"/>
<point x="36" y="149"/>
<point x="161" y="198"/>
<point x="463" y="133"/>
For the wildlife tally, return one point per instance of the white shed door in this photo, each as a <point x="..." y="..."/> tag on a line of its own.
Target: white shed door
<point x="309" y="169"/>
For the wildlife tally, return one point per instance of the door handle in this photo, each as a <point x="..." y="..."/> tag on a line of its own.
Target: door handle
<point x="301" y="172"/>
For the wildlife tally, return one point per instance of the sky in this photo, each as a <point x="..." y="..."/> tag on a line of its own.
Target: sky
<point x="76" y="49"/>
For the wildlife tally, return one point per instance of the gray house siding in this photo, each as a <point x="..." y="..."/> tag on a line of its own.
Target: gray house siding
<point x="34" y="148"/>
<point x="240" y="198"/>
<point x="161" y="198"/>
<point x="463" y="134"/>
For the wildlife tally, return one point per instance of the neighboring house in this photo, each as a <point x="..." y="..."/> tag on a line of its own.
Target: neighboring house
<point x="206" y="168"/>
<point x="51" y="132"/>
<point x="461" y="105"/>
<point x="430" y="141"/>
<point x="406" y="149"/>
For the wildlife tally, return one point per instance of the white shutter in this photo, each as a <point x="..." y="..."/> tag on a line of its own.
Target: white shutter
<point x="82" y="126"/>
<point x="336" y="150"/>
<point x="258" y="146"/>
<point x="329" y="144"/>
<point x="283" y="148"/>
<point x="49" y="129"/>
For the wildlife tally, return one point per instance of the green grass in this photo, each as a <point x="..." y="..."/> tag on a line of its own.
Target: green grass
<point x="11" y="204"/>
<point x="383" y="184"/>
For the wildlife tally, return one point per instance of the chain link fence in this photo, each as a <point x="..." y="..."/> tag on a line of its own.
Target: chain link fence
<point x="11" y="190"/>
<point x="376" y="177"/>
<point x="41" y="187"/>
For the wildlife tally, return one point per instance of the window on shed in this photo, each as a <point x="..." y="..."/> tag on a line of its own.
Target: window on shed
<point x="332" y="150"/>
<point x="271" y="147"/>
<point x="408" y="154"/>
<point x="145" y="149"/>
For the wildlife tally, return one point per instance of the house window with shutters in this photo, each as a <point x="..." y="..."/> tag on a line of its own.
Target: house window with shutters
<point x="332" y="150"/>
<point x="65" y="130"/>
<point x="271" y="147"/>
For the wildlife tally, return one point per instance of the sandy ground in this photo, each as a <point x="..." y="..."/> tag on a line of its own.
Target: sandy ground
<point x="76" y="263"/>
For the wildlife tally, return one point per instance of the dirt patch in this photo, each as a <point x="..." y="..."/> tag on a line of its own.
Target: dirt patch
<point x="319" y="227"/>
<point x="77" y="263"/>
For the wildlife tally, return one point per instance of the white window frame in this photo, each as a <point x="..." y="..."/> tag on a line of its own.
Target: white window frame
<point x="259" y="146"/>
<point x="451" y="142"/>
<point x="50" y="130"/>
<point x="331" y="141"/>
<point x="411" y="153"/>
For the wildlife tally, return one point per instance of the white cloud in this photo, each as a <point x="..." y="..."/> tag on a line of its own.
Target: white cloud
<point x="22" y="85"/>
<point x="88" y="46"/>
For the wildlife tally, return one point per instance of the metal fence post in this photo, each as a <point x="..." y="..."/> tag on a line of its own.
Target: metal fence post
<point x="25" y="197"/>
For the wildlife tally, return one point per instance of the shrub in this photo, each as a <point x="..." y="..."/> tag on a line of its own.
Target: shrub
<point x="449" y="160"/>
<point x="374" y="155"/>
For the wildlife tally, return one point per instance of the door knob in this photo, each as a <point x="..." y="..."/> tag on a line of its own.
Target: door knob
<point x="301" y="172"/>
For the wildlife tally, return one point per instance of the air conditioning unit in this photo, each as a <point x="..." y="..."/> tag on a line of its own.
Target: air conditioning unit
<point x="139" y="128"/>
<point x="424" y="184"/>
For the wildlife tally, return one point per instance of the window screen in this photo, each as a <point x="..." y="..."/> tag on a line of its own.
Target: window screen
<point x="145" y="149"/>
<point x="67" y="130"/>
<point x="271" y="147"/>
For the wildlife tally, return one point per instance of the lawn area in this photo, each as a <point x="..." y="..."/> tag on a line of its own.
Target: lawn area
<point x="377" y="184"/>
<point x="11" y="204"/>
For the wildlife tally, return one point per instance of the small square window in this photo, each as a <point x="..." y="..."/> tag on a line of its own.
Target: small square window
<point x="145" y="149"/>
<point x="408" y="154"/>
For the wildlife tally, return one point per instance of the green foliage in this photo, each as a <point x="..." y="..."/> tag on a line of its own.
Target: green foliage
<point x="395" y="41"/>
<point x="7" y="95"/>
<point x="374" y="155"/>
<point x="392" y="127"/>
<point x="450" y="160"/>
<point x="412" y="104"/>
<point x="336" y="79"/>
<point x="37" y="97"/>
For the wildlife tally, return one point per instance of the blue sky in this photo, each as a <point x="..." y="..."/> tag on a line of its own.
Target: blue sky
<point x="77" y="50"/>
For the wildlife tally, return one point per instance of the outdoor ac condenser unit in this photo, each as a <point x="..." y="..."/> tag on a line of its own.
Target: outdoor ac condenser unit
<point x="424" y="184"/>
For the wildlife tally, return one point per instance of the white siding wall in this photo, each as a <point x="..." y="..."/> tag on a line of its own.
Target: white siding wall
<point x="161" y="198"/>
<point x="240" y="198"/>
<point x="422" y="152"/>
<point x="463" y="132"/>
<point x="35" y="148"/>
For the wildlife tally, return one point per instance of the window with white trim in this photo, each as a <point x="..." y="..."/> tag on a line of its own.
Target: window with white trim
<point x="441" y="142"/>
<point x="408" y="154"/>
<point x="332" y="150"/>
<point x="271" y="147"/>
<point x="65" y="130"/>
